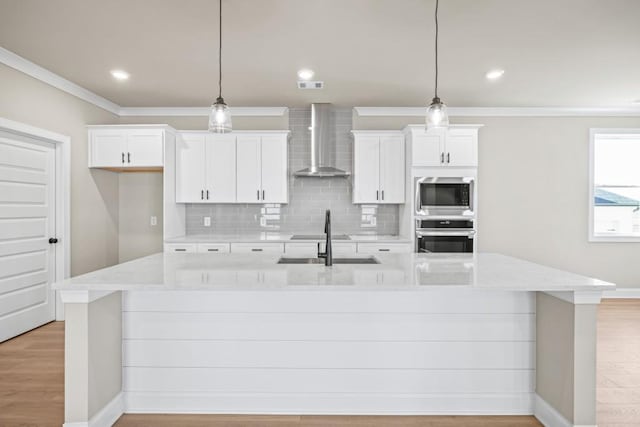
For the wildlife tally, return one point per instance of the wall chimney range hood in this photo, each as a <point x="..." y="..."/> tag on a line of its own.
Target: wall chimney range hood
<point x="323" y="150"/>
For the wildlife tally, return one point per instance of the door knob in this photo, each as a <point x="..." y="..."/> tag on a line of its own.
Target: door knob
<point x="53" y="240"/>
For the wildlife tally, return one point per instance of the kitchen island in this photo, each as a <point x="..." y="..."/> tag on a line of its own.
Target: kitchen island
<point x="413" y="334"/>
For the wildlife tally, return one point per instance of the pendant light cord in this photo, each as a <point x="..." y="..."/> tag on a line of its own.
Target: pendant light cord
<point x="220" y="54"/>
<point x="436" y="17"/>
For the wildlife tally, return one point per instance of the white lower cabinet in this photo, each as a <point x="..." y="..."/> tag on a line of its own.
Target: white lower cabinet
<point x="375" y="248"/>
<point x="244" y="248"/>
<point x="180" y="247"/>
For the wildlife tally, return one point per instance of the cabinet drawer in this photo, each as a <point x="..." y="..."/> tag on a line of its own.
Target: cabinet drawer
<point x="371" y="248"/>
<point x="180" y="247"/>
<point x="243" y="248"/>
<point x="214" y="247"/>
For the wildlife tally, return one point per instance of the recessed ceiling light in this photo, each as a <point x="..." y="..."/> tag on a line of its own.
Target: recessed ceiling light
<point x="119" y="74"/>
<point x="305" y="74"/>
<point x="495" y="74"/>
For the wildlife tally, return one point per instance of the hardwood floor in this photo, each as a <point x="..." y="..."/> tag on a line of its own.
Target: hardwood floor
<point x="619" y="363"/>
<point x="32" y="385"/>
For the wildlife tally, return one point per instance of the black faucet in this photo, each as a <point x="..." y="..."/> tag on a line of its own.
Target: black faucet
<point x="327" y="254"/>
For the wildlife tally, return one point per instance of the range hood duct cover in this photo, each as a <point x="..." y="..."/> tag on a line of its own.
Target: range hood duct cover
<point x="323" y="150"/>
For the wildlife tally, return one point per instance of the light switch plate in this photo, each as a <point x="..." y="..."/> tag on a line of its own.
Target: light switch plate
<point x="207" y="221"/>
<point x="154" y="221"/>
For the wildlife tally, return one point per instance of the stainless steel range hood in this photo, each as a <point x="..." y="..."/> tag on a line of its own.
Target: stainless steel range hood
<point x="323" y="150"/>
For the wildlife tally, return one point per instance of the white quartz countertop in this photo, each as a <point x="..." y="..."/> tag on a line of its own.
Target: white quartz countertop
<point x="397" y="272"/>
<point x="282" y="238"/>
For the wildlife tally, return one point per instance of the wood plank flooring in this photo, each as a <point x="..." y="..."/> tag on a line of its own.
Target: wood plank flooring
<point x="619" y="363"/>
<point x="32" y="385"/>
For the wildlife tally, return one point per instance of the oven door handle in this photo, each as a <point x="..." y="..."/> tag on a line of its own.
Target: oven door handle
<point x="469" y="233"/>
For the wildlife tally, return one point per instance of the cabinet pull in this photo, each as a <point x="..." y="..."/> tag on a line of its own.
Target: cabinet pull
<point x="382" y="194"/>
<point x="448" y="157"/>
<point x="256" y="249"/>
<point x="201" y="194"/>
<point x="128" y="157"/>
<point x="212" y="250"/>
<point x="383" y="250"/>
<point x="122" y="157"/>
<point x="377" y="195"/>
<point x="180" y="250"/>
<point x="442" y="157"/>
<point x="262" y="194"/>
<point x="258" y="194"/>
<point x="207" y="194"/>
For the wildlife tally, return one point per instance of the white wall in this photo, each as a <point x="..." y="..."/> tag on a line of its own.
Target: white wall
<point x="533" y="189"/>
<point x="94" y="193"/>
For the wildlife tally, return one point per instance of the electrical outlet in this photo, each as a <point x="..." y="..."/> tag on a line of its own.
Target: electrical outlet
<point x="207" y="221"/>
<point x="154" y="220"/>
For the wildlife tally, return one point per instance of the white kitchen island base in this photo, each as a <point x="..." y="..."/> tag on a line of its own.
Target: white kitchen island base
<point x="332" y="349"/>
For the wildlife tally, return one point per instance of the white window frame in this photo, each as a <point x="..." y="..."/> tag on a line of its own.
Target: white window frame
<point x="593" y="132"/>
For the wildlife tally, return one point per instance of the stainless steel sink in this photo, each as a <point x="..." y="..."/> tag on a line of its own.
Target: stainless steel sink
<point x="364" y="260"/>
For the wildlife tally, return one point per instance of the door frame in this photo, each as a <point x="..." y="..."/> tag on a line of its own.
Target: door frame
<point x="62" y="194"/>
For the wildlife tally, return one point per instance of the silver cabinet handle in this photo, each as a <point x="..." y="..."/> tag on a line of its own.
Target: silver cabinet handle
<point x="180" y="250"/>
<point x="448" y="157"/>
<point x="207" y="194"/>
<point x="382" y="194"/>
<point x="213" y="250"/>
<point x="442" y="157"/>
<point x="258" y="194"/>
<point x="201" y="194"/>
<point x="262" y="194"/>
<point x="128" y="157"/>
<point x="384" y="250"/>
<point x="256" y="249"/>
<point x="122" y="157"/>
<point x="377" y="195"/>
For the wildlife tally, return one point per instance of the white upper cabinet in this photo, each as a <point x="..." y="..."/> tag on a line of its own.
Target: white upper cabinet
<point x="205" y="168"/>
<point x="456" y="146"/>
<point x="262" y="171"/>
<point x="378" y="167"/>
<point x="124" y="147"/>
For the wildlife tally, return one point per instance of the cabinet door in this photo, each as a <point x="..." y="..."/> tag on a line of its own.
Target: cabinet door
<point x="248" y="172"/>
<point x="190" y="168"/>
<point x="108" y="148"/>
<point x="220" y="168"/>
<point x="462" y="147"/>
<point x="274" y="169"/>
<point x="392" y="169"/>
<point x="366" y="169"/>
<point x="428" y="148"/>
<point x="145" y="148"/>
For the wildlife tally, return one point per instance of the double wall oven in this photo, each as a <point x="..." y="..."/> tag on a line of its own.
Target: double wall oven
<point x="444" y="217"/>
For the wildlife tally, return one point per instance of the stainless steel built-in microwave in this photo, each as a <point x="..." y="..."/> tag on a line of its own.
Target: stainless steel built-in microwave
<point x="444" y="195"/>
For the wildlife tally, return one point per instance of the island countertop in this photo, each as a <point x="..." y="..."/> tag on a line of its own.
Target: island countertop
<point x="398" y="272"/>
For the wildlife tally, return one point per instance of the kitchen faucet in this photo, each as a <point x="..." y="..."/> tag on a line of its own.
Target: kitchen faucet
<point x="327" y="254"/>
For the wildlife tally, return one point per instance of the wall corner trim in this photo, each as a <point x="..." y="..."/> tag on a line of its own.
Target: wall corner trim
<point x="106" y="417"/>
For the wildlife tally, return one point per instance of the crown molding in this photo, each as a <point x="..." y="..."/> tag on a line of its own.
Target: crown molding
<point x="37" y="72"/>
<point x="200" y="111"/>
<point x="502" y="111"/>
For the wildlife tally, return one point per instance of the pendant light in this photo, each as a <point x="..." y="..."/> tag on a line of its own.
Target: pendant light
<point x="220" y="116"/>
<point x="437" y="116"/>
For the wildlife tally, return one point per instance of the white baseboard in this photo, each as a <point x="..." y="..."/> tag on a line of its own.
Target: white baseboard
<point x="622" y="293"/>
<point x="106" y="417"/>
<point x="330" y="403"/>
<point x="550" y="417"/>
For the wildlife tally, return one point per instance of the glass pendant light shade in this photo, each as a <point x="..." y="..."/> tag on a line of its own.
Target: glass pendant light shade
<point x="437" y="116"/>
<point x="220" y="117"/>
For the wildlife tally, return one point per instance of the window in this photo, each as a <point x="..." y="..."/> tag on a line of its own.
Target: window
<point x="614" y="200"/>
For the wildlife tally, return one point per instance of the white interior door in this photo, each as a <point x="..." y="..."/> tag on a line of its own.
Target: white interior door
<point x="274" y="169"/>
<point x="221" y="168"/>
<point x="248" y="169"/>
<point x="27" y="221"/>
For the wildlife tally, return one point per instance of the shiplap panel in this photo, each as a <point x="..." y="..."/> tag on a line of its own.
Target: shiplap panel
<point x="225" y="380"/>
<point x="21" y="246"/>
<point x="23" y="211"/>
<point x="452" y="300"/>
<point x="22" y="263"/>
<point x="330" y="326"/>
<point x="329" y="354"/>
<point x="18" y="228"/>
<point x="20" y="155"/>
<point x="22" y="175"/>
<point x="11" y="192"/>
<point x="23" y="298"/>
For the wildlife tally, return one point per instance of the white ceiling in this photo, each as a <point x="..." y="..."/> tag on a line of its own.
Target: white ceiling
<point x="368" y="52"/>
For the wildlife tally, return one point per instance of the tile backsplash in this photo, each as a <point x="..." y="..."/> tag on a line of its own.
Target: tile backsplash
<point x="308" y="197"/>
